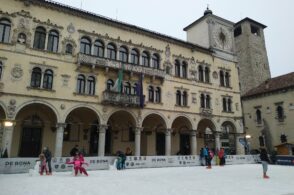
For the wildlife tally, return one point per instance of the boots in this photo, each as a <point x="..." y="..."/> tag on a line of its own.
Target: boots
<point x="265" y="176"/>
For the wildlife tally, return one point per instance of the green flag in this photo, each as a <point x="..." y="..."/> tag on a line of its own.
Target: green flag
<point x="117" y="87"/>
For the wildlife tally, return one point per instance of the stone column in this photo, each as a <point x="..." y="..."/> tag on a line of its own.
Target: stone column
<point x="59" y="139"/>
<point x="7" y="137"/>
<point x="138" y="131"/>
<point x="168" y="142"/>
<point x="193" y="141"/>
<point x="101" y="142"/>
<point x="217" y="140"/>
<point x="240" y="149"/>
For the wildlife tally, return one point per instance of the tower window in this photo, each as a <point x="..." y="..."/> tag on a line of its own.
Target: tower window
<point x="255" y="30"/>
<point x="237" y="31"/>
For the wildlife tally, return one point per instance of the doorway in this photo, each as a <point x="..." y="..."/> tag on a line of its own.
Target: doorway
<point x="160" y="143"/>
<point x="30" y="142"/>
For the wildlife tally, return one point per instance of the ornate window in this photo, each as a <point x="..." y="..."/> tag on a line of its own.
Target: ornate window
<point x="207" y="101"/>
<point x="258" y="116"/>
<point x="202" y="101"/>
<point x="222" y="78"/>
<point x="109" y="84"/>
<point x="224" y="104"/>
<point x="40" y="37"/>
<point x="99" y="49"/>
<point x="85" y="46"/>
<point x="155" y="61"/>
<point x="207" y="74"/>
<point x="158" y="95"/>
<point x="178" y="98"/>
<point x="134" y="56"/>
<point x="177" y="68"/>
<point x="111" y="51"/>
<point x="127" y="88"/>
<point x="53" y="40"/>
<point x="68" y="48"/>
<point x="151" y="94"/>
<point x="5" y="27"/>
<point x="185" y="98"/>
<point x="91" y="85"/>
<point x="145" y="59"/>
<point x="135" y="87"/>
<point x="48" y="79"/>
<point x="227" y="79"/>
<point x="227" y="104"/>
<point x="36" y="77"/>
<point x="201" y="73"/>
<point x="81" y="84"/>
<point x="184" y="70"/>
<point x="1" y="69"/>
<point x="123" y="54"/>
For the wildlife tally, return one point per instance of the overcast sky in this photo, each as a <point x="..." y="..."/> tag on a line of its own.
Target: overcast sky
<point x="171" y="16"/>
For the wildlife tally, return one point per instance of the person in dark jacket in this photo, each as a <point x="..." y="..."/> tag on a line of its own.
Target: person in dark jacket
<point x="74" y="151"/>
<point x="264" y="161"/>
<point x="48" y="157"/>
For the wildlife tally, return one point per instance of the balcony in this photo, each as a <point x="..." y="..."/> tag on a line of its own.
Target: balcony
<point x="107" y="63"/>
<point x="206" y="112"/>
<point x="115" y="98"/>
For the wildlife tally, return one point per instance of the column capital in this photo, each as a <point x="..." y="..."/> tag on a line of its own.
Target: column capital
<point x="168" y="132"/>
<point x="102" y="128"/>
<point x="139" y="129"/>
<point x="63" y="125"/>
<point x="193" y="132"/>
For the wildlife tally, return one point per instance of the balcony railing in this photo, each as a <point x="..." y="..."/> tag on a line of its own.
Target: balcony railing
<point x="101" y="62"/>
<point x="206" y="112"/>
<point x="115" y="98"/>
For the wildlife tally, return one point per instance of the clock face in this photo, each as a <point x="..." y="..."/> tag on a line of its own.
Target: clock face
<point x="222" y="38"/>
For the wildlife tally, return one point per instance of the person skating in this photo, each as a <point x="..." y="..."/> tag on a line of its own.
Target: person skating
<point x="48" y="157"/>
<point x="264" y="161"/>
<point x="78" y="162"/>
<point x="43" y="164"/>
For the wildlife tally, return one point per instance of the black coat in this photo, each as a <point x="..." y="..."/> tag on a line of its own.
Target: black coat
<point x="48" y="155"/>
<point x="263" y="155"/>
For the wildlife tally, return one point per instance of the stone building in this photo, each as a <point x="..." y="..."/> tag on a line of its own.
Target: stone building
<point x="71" y="77"/>
<point x="269" y="113"/>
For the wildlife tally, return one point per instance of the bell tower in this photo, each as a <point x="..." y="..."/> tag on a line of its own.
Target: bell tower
<point x="251" y="53"/>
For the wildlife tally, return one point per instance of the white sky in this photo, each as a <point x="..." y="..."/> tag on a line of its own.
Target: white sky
<point x="227" y="180"/>
<point x="171" y="16"/>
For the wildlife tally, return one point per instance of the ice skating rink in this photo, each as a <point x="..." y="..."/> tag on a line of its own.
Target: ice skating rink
<point x="227" y="180"/>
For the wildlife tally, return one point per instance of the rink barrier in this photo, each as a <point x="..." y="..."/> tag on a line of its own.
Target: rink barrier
<point x="23" y="165"/>
<point x="285" y="160"/>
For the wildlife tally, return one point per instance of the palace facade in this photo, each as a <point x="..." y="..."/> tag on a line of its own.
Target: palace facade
<point x="71" y="77"/>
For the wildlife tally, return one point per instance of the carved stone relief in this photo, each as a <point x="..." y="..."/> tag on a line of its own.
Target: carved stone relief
<point x="17" y="72"/>
<point x="71" y="29"/>
<point x="22" y="34"/>
<point x="11" y="108"/>
<point x="65" y="79"/>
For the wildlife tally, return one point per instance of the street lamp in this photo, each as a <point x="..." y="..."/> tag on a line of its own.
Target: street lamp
<point x="8" y="124"/>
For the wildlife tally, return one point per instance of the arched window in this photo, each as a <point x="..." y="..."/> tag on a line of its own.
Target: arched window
<point x="207" y="74"/>
<point x="200" y="72"/>
<point x="179" y="98"/>
<point x="207" y="101"/>
<point x="110" y="84"/>
<point x="1" y="69"/>
<point x="158" y="95"/>
<point x="91" y="85"/>
<point x="111" y="51"/>
<point x="221" y="77"/>
<point x="123" y="54"/>
<point x="167" y="70"/>
<point x="99" y="48"/>
<point x="134" y="56"/>
<point x="40" y="37"/>
<point x="81" y="84"/>
<point x="224" y="104"/>
<point x="229" y="105"/>
<point x="258" y="116"/>
<point x="145" y="59"/>
<point x="185" y="98"/>
<point x="36" y="77"/>
<point x="150" y="94"/>
<point x="135" y="86"/>
<point x="53" y="40"/>
<point x="184" y="70"/>
<point x="177" y="68"/>
<point x="227" y="79"/>
<point x="155" y="61"/>
<point x="280" y="112"/>
<point x="127" y="88"/>
<point x="85" y="46"/>
<point x="48" y="79"/>
<point x="202" y="101"/>
<point x="5" y="27"/>
<point x="68" y="48"/>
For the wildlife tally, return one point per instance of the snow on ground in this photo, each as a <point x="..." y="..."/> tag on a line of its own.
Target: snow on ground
<point x="228" y="180"/>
